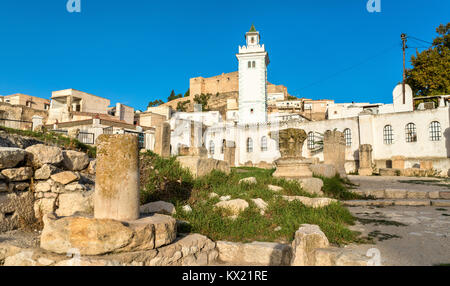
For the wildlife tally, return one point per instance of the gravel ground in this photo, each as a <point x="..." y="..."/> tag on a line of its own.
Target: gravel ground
<point x="406" y="236"/>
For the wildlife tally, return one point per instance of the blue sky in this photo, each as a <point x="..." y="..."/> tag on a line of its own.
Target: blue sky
<point x="135" y="51"/>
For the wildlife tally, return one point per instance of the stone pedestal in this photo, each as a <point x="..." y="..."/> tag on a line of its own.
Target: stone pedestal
<point x="117" y="179"/>
<point x="365" y="160"/>
<point x="293" y="168"/>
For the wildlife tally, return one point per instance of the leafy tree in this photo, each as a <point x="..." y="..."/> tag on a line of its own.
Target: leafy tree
<point x="203" y="100"/>
<point x="155" y="103"/>
<point x="181" y="106"/>
<point x="188" y="93"/>
<point x="173" y="96"/>
<point x="430" y="73"/>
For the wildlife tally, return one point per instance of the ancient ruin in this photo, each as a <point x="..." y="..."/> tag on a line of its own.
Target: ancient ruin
<point x="196" y="156"/>
<point x="334" y="150"/>
<point x="365" y="160"/>
<point x="292" y="165"/>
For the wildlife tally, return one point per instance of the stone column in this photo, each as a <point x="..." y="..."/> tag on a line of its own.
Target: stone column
<point x="196" y="140"/>
<point x="365" y="160"/>
<point x="162" y="140"/>
<point x="117" y="179"/>
<point x="229" y="153"/>
<point x="334" y="151"/>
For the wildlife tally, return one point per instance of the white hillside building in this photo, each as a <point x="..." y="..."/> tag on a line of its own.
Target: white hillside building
<point x="392" y="129"/>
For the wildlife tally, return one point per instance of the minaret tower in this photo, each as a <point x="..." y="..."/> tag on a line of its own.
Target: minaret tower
<point x="253" y="61"/>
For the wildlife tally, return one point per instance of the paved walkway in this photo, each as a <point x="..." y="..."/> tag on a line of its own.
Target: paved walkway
<point x="406" y="235"/>
<point x="407" y="183"/>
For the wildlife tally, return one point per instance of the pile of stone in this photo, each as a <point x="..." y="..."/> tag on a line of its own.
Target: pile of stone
<point x="43" y="179"/>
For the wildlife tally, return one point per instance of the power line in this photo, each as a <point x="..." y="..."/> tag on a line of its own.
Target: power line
<point x="349" y="68"/>
<point x="417" y="39"/>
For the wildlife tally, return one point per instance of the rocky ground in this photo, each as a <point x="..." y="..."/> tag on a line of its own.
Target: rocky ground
<point x="406" y="236"/>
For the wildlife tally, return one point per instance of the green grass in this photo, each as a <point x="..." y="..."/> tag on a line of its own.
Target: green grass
<point x="53" y="138"/>
<point x="338" y="188"/>
<point x="164" y="179"/>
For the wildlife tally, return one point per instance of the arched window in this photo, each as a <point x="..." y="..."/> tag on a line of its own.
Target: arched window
<point x="249" y="145"/>
<point x="222" y="148"/>
<point x="264" y="144"/>
<point x="435" y="131"/>
<point x="410" y="132"/>
<point x="211" y="147"/>
<point x="249" y="64"/>
<point x="348" y="137"/>
<point x="253" y="64"/>
<point x="311" y="141"/>
<point x="388" y="135"/>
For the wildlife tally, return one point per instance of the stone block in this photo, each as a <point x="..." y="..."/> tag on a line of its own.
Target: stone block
<point x="389" y="172"/>
<point x="324" y="170"/>
<point x="307" y="239"/>
<point x="395" y="194"/>
<point x="11" y="157"/>
<point x="200" y="166"/>
<point x="292" y="169"/>
<point x="158" y="207"/>
<point x="312" y="185"/>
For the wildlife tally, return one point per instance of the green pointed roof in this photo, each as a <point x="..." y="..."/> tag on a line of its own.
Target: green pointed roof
<point x="252" y="29"/>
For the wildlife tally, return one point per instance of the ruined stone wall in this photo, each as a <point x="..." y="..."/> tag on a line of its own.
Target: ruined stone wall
<point x="43" y="179"/>
<point x="227" y="82"/>
<point x="19" y="112"/>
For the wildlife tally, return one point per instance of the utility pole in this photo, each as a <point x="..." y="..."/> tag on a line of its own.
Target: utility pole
<point x="404" y="47"/>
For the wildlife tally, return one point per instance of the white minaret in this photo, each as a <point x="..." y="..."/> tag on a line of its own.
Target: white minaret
<point x="253" y="62"/>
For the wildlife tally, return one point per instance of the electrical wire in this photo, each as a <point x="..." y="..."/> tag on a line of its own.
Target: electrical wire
<point x="349" y="68"/>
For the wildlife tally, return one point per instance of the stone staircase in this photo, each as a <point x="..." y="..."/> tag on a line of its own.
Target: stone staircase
<point x="400" y="197"/>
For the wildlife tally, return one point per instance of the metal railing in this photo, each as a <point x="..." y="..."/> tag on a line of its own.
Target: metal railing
<point x="86" y="138"/>
<point x="141" y="138"/>
<point x="62" y="132"/>
<point x="83" y="137"/>
<point x="108" y="130"/>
